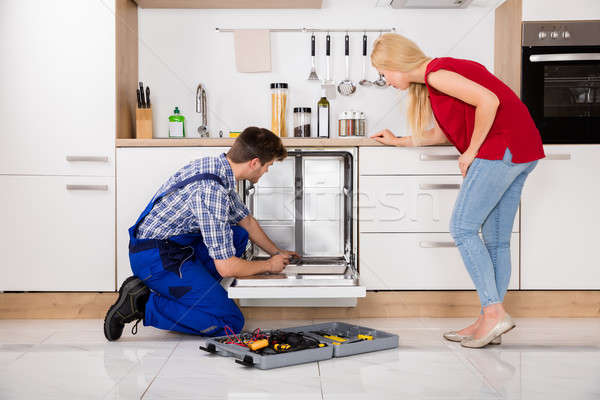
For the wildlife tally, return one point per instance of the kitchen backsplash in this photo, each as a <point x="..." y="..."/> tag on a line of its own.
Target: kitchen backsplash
<point x="179" y="49"/>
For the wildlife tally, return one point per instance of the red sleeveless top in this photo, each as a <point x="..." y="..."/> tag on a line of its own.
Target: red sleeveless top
<point x="513" y="126"/>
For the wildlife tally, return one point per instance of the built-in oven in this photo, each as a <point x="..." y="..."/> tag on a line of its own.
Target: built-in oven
<point x="560" y="80"/>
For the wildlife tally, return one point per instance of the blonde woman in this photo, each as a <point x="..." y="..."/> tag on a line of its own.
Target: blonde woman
<point x="459" y="101"/>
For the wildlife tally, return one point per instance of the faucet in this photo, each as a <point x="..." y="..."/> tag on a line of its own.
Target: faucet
<point x="201" y="108"/>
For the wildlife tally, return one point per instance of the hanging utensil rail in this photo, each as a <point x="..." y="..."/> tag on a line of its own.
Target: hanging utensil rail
<point x="316" y="30"/>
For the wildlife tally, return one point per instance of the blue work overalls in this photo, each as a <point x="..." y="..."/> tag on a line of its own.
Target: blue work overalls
<point x="186" y="295"/>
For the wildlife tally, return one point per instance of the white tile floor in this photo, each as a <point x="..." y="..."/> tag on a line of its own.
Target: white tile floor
<point x="70" y="359"/>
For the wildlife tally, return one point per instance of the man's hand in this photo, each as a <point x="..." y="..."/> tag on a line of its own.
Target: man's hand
<point x="386" y="137"/>
<point x="464" y="161"/>
<point x="292" y="254"/>
<point x="278" y="262"/>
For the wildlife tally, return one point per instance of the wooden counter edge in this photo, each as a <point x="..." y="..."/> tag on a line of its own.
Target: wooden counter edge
<point x="218" y="142"/>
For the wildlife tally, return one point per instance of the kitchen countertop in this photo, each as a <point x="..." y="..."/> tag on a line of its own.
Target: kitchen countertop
<point x="218" y="142"/>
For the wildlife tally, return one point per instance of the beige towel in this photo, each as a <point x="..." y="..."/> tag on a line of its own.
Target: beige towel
<point x="252" y="50"/>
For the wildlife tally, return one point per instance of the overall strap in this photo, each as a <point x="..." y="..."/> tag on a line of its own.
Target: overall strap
<point x="177" y="186"/>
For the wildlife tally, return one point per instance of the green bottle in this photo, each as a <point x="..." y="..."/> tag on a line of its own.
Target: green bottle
<point x="176" y="124"/>
<point x="323" y="113"/>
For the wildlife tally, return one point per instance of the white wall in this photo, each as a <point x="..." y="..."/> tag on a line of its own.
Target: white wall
<point x="180" y="48"/>
<point x="550" y="10"/>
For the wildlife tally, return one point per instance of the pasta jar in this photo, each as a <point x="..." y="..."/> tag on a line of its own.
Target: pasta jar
<point x="279" y="93"/>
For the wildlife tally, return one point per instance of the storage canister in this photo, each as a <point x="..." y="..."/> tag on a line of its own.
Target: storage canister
<point x="302" y="121"/>
<point x="362" y="124"/>
<point x="279" y="93"/>
<point x="344" y="124"/>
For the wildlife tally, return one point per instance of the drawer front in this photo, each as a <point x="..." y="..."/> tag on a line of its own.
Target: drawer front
<point x="408" y="261"/>
<point x="58" y="233"/>
<point x="408" y="203"/>
<point x="436" y="160"/>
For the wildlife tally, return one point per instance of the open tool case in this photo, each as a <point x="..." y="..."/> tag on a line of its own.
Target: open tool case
<point x="332" y="339"/>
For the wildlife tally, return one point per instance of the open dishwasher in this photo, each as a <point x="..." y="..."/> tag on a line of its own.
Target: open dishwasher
<point x="306" y="204"/>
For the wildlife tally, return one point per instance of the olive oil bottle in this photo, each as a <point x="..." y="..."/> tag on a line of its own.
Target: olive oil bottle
<point x="323" y="115"/>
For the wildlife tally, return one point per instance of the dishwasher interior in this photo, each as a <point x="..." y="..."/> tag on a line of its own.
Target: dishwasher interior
<point x="305" y="204"/>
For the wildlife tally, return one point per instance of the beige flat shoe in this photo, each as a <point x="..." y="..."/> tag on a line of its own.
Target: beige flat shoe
<point x="503" y="326"/>
<point x="454" y="336"/>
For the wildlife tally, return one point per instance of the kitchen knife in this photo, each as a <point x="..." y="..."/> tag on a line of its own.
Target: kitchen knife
<point x="139" y="98"/>
<point x="142" y="94"/>
<point x="148" y="96"/>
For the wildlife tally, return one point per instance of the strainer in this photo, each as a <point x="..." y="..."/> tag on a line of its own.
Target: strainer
<point x="346" y="87"/>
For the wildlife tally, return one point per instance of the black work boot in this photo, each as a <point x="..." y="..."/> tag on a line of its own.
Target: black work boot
<point x="129" y="307"/>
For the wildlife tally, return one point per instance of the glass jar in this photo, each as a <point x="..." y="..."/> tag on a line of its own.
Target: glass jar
<point x="279" y="93"/>
<point x="362" y="124"/>
<point x="352" y="123"/>
<point x="344" y="124"/>
<point x="302" y="121"/>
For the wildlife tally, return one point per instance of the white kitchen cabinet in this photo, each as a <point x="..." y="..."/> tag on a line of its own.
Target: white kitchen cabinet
<point x="432" y="160"/>
<point x="422" y="203"/>
<point x="57" y="233"/>
<point x="419" y="261"/>
<point x="58" y="87"/>
<point x="560" y="220"/>
<point x="140" y="173"/>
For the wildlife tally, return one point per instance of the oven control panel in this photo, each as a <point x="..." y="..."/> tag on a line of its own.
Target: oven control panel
<point x="561" y="33"/>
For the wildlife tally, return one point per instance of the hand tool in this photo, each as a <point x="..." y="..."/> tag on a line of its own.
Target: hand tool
<point x="258" y="344"/>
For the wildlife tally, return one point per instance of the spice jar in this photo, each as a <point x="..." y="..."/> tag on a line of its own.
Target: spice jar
<point x="279" y="92"/>
<point x="352" y="123"/>
<point x="301" y="121"/>
<point x="345" y="124"/>
<point x="362" y="123"/>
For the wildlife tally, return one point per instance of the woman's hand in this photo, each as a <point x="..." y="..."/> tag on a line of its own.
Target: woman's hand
<point x="464" y="161"/>
<point x="385" y="137"/>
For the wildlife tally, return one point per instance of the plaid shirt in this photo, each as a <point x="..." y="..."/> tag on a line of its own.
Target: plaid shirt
<point x="204" y="206"/>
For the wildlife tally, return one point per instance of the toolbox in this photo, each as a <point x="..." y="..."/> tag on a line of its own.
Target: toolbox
<point x="331" y="339"/>
<point x="347" y="339"/>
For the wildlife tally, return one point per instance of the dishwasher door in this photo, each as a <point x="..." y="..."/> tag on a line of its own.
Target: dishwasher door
<point x="306" y="204"/>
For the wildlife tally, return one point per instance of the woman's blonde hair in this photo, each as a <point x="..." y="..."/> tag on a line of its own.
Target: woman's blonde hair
<point x="396" y="53"/>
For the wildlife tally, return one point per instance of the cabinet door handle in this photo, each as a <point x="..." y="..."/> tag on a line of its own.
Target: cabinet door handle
<point x="438" y="157"/>
<point x="558" y="156"/>
<point x="439" y="186"/>
<point x="431" y="245"/>
<point x="87" y="158"/>
<point x="87" y="187"/>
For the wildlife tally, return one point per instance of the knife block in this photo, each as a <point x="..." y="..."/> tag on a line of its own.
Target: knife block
<point x="143" y="123"/>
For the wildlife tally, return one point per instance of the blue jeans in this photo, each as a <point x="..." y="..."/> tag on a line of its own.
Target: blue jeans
<point x="489" y="199"/>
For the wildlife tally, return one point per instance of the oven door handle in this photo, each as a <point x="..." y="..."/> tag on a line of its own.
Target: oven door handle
<point x="565" y="57"/>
